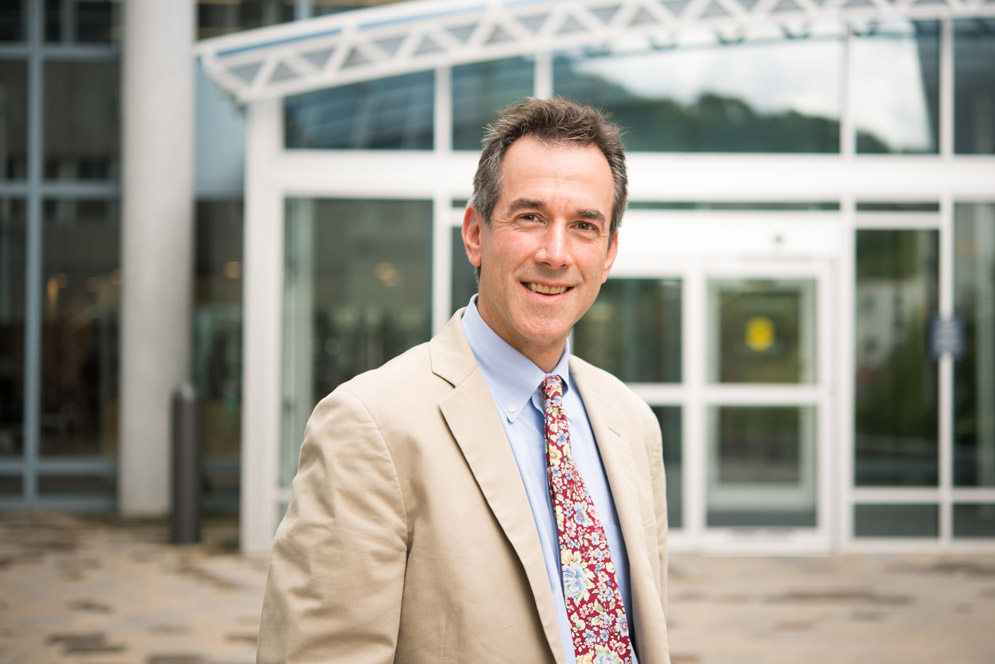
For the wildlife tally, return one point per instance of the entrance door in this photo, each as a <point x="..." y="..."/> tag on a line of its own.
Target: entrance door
<point x="764" y="403"/>
<point x="723" y="326"/>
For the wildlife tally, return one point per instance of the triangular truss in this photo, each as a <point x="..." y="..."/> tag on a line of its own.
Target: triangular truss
<point x="415" y="36"/>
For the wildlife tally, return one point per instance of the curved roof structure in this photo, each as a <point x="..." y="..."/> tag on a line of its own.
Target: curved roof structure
<point x="415" y="36"/>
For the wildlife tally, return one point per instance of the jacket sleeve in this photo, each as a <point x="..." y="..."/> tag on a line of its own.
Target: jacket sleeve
<point x="337" y="569"/>
<point x="658" y="477"/>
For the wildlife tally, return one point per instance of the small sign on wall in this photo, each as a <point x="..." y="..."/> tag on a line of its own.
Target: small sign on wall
<point x="946" y="337"/>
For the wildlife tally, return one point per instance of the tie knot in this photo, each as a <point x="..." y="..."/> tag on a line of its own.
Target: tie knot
<point x="552" y="386"/>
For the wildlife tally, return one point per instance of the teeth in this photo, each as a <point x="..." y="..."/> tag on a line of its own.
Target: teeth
<point x="547" y="290"/>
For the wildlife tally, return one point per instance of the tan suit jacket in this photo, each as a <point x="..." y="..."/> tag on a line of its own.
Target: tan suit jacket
<point x="409" y="536"/>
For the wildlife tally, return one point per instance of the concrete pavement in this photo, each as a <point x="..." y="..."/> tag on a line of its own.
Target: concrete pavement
<point x="102" y="590"/>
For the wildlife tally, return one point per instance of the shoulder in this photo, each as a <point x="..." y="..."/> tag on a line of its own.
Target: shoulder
<point x="398" y="381"/>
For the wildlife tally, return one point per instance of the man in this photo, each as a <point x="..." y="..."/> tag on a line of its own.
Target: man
<point x="486" y="497"/>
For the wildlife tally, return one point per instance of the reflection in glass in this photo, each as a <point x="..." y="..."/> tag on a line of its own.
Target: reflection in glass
<point x="13" y="252"/>
<point x="480" y="90"/>
<point x="895" y="386"/>
<point x="896" y="85"/>
<point x="761" y="466"/>
<point x="776" y="95"/>
<point x="971" y="521"/>
<point x="82" y="120"/>
<point x="383" y="114"/>
<point x="974" y="372"/>
<point x="464" y="283"/>
<point x="81" y="291"/>
<point x="13" y="21"/>
<point x="896" y="521"/>
<point x="217" y="345"/>
<point x="762" y="331"/>
<point x="220" y="18"/>
<point x="671" y="426"/>
<point x="357" y="292"/>
<point x="82" y="21"/>
<point x="974" y="81"/>
<point x="633" y="330"/>
<point x="13" y="121"/>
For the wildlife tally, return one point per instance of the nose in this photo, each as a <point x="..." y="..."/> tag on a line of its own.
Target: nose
<point x="554" y="246"/>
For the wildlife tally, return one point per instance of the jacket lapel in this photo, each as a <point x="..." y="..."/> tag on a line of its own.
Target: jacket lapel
<point x="613" y="436"/>
<point x="474" y="422"/>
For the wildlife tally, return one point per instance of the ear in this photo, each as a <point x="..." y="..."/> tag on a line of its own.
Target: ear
<point x="610" y="257"/>
<point x="473" y="225"/>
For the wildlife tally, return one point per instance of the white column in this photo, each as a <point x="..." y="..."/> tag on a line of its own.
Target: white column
<point x="157" y="242"/>
<point x="262" y="325"/>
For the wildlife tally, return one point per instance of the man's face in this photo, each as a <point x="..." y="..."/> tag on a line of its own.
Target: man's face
<point x="547" y="249"/>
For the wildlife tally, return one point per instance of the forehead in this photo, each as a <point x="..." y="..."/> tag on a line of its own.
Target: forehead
<point x="533" y="164"/>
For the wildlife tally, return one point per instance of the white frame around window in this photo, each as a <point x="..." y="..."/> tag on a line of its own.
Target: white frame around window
<point x="945" y="495"/>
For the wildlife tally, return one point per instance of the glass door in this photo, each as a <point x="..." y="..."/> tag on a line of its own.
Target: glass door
<point x="765" y="400"/>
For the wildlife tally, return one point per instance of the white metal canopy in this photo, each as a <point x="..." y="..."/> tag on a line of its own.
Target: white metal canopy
<point x="373" y="43"/>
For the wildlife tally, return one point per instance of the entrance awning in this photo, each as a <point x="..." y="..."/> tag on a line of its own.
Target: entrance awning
<point x="405" y="37"/>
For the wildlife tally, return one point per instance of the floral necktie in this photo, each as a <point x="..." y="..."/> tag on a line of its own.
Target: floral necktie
<point x="594" y="605"/>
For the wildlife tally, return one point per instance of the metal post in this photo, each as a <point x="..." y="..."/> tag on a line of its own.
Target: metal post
<point x="186" y="465"/>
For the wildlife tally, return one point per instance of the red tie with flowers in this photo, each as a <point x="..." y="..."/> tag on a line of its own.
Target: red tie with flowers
<point x="594" y="605"/>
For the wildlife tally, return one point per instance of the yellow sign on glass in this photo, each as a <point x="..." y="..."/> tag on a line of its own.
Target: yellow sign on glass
<point x="759" y="333"/>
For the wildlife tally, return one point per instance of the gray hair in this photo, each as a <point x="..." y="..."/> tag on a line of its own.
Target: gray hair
<point x="550" y="121"/>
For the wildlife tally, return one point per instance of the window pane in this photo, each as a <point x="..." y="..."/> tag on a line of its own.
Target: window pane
<point x="82" y="120"/>
<point x="12" y="270"/>
<point x="974" y="520"/>
<point x="13" y="120"/>
<point x="974" y="83"/>
<point x="896" y="521"/>
<point x="633" y="330"/>
<point x="217" y="344"/>
<point x="383" y="114"/>
<point x="480" y="90"/>
<point x="464" y="283"/>
<point x="80" y="339"/>
<point x="13" y="21"/>
<point x="671" y="426"/>
<point x="219" y="17"/>
<point x="896" y="87"/>
<point x="85" y="21"/>
<point x="103" y="485"/>
<point x="357" y="292"/>
<point x="895" y="385"/>
<point x="323" y="7"/>
<point x="11" y="486"/>
<point x="761" y="331"/>
<point x="776" y="95"/>
<point x="761" y="467"/>
<point x="974" y="372"/>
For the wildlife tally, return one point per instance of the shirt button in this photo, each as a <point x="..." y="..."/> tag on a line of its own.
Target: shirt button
<point x="511" y="409"/>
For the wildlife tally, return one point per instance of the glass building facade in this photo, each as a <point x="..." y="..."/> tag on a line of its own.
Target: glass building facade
<point x="784" y="318"/>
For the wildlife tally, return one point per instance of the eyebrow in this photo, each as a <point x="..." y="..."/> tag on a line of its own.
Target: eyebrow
<point x="528" y="203"/>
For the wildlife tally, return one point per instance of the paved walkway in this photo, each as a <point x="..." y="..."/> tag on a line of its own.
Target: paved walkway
<point x="97" y="590"/>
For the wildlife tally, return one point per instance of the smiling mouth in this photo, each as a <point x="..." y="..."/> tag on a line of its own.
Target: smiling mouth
<point x="546" y="290"/>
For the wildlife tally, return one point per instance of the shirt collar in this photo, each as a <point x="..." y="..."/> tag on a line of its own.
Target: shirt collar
<point x="512" y="377"/>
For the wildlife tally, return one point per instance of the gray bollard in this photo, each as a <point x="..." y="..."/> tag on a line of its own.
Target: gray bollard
<point x="186" y="465"/>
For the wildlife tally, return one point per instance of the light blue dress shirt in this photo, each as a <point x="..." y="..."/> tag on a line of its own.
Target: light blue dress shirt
<point x="514" y="382"/>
